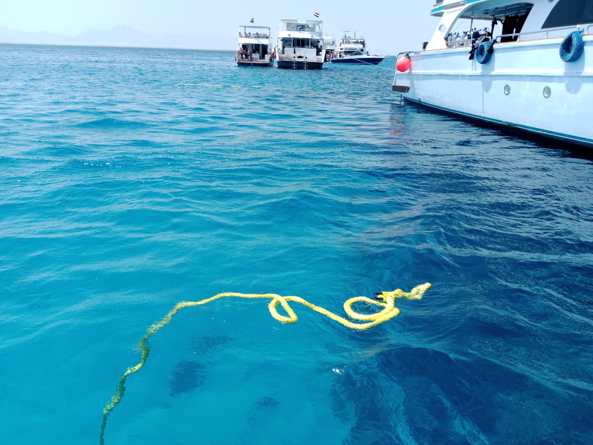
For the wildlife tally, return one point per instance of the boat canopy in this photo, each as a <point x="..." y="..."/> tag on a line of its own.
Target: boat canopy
<point x="442" y="6"/>
<point x="255" y="32"/>
<point x="499" y="9"/>
<point x="483" y="9"/>
<point x="561" y="12"/>
<point x="521" y="19"/>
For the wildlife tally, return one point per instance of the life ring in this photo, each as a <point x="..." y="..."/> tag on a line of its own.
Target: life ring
<point x="484" y="51"/>
<point x="572" y="47"/>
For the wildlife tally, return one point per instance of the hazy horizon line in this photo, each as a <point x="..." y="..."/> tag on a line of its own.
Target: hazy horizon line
<point x="91" y="45"/>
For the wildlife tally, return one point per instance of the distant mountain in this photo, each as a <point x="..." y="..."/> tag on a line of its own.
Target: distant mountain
<point x="117" y="36"/>
<point x="12" y="36"/>
<point x="126" y="36"/>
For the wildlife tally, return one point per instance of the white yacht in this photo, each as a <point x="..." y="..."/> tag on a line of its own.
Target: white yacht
<point x="353" y="50"/>
<point x="531" y="69"/>
<point x="255" y="46"/>
<point x="300" y="44"/>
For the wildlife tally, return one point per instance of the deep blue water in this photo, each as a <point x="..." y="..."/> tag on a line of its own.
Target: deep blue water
<point x="132" y="179"/>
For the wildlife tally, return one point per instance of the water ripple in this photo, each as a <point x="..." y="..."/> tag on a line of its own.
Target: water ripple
<point x="135" y="178"/>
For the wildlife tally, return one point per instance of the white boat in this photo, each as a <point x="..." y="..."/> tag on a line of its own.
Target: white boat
<point x="255" y="46"/>
<point x="530" y="70"/>
<point x="353" y="50"/>
<point x="300" y="44"/>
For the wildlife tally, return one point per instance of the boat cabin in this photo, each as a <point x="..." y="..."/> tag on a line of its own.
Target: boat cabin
<point x="462" y="22"/>
<point x="255" y="46"/>
<point x="295" y="34"/>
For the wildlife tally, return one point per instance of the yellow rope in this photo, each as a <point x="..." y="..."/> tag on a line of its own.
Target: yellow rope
<point x="385" y="300"/>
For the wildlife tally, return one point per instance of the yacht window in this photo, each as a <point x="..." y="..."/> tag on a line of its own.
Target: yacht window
<point x="302" y="43"/>
<point x="511" y="27"/>
<point x="570" y="13"/>
<point x="466" y="32"/>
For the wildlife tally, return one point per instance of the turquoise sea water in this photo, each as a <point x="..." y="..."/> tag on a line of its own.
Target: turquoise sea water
<point x="131" y="179"/>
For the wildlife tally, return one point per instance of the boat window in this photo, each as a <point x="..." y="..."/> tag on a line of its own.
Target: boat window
<point x="511" y="27"/>
<point x="570" y="13"/>
<point x="302" y="43"/>
<point x="299" y="27"/>
<point x="466" y="32"/>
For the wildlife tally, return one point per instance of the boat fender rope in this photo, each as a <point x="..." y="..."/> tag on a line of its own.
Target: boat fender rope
<point x="572" y="47"/>
<point x="384" y="301"/>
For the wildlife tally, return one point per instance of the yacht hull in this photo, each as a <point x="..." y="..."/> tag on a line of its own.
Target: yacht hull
<point x="526" y="87"/>
<point x="516" y="129"/>
<point x="359" y="60"/>
<point x="260" y="63"/>
<point x="299" y="65"/>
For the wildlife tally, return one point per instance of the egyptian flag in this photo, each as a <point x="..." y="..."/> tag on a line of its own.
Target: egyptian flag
<point x="316" y="14"/>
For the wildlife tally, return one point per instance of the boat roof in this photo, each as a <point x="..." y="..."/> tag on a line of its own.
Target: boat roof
<point x="299" y="35"/>
<point x="255" y="27"/>
<point x="312" y="22"/>
<point x="251" y="30"/>
<point x="483" y="9"/>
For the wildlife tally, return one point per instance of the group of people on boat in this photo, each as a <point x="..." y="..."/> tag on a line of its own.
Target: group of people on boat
<point x="255" y="35"/>
<point x="252" y="52"/>
<point x="466" y="38"/>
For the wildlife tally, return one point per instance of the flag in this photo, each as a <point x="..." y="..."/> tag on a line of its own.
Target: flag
<point x="316" y="14"/>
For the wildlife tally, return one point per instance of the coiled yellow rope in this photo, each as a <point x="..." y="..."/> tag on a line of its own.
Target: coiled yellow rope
<point x="385" y="300"/>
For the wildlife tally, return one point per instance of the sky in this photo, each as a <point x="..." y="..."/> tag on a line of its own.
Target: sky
<point x="388" y="26"/>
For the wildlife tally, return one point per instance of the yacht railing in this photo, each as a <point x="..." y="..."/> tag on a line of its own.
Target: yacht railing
<point x="252" y="35"/>
<point x="550" y="33"/>
<point x="255" y="32"/>
<point x="467" y="39"/>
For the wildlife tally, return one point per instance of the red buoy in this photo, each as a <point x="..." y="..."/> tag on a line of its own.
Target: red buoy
<point x="403" y="64"/>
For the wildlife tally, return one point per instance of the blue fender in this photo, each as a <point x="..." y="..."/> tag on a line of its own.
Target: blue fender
<point x="572" y="47"/>
<point x="484" y="52"/>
